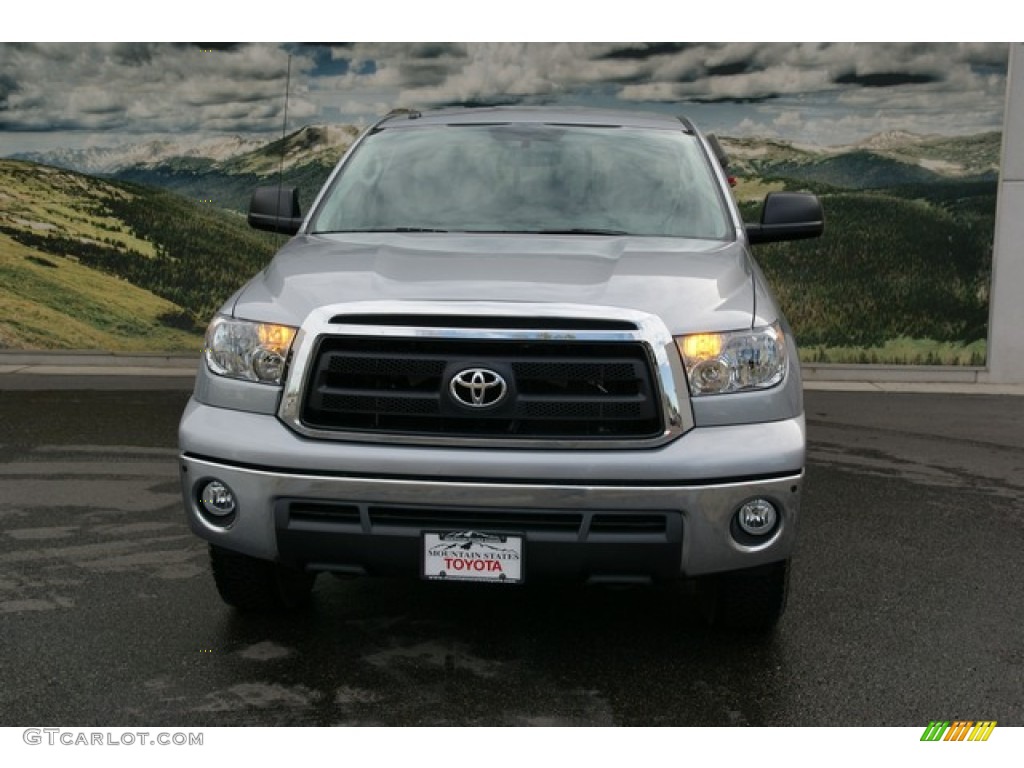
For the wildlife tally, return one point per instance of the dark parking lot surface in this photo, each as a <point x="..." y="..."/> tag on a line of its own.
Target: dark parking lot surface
<point x="906" y="604"/>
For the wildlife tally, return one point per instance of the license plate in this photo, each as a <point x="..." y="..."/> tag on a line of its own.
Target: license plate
<point x="472" y="556"/>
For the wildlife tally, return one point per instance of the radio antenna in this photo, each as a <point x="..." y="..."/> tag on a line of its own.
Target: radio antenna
<point x="284" y="126"/>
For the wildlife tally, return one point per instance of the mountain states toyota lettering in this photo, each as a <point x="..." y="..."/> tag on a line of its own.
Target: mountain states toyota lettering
<point x="473" y="555"/>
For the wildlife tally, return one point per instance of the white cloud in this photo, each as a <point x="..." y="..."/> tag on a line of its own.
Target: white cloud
<point x="140" y="88"/>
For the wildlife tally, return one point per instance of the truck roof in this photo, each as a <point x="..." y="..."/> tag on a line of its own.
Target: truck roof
<point x="549" y="115"/>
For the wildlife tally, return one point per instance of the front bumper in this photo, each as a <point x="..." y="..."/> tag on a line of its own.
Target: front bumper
<point x="373" y="502"/>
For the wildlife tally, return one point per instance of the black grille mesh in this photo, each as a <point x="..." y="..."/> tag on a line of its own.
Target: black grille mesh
<point x="573" y="523"/>
<point x="556" y="389"/>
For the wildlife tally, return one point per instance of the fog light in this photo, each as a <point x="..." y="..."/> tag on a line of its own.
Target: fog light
<point x="757" y="517"/>
<point x="217" y="499"/>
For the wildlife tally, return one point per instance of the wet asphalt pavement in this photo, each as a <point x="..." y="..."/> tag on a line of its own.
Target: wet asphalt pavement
<point x="906" y="605"/>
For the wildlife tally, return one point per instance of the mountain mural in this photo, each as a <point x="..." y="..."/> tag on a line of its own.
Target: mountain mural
<point x="107" y="160"/>
<point x="225" y="170"/>
<point x="222" y="173"/>
<point x="902" y="274"/>
<point x="883" y="160"/>
<point x="91" y="263"/>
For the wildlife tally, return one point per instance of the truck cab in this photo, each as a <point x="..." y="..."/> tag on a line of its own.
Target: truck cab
<point x="504" y="346"/>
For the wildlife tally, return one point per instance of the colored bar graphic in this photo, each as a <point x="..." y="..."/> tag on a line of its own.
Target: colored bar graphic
<point x="935" y="730"/>
<point x="959" y="730"/>
<point x="982" y="730"/>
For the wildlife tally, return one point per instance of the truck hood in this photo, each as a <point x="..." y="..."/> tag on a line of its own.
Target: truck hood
<point x="693" y="285"/>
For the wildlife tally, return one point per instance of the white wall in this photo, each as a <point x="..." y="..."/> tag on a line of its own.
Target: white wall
<point x="1006" y="310"/>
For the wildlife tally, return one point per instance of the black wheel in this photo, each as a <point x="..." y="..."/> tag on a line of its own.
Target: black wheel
<point x="751" y="600"/>
<point x="251" y="584"/>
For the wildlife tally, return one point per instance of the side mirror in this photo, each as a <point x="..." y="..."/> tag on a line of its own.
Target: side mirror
<point x="275" y="209"/>
<point x="788" y="216"/>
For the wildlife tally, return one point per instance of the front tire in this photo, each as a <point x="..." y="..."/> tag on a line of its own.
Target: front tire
<point x="750" y="600"/>
<point x="259" y="586"/>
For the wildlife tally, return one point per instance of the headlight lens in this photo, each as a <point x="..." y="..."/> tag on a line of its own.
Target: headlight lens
<point x="246" y="350"/>
<point x="738" y="361"/>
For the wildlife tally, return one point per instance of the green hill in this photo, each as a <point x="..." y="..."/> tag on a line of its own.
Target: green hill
<point x="963" y="156"/>
<point x="55" y="303"/>
<point x="902" y="274"/>
<point x="854" y="170"/>
<point x="888" y="268"/>
<point x="101" y="264"/>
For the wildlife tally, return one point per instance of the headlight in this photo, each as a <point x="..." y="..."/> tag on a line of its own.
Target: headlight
<point x="738" y="361"/>
<point x="246" y="350"/>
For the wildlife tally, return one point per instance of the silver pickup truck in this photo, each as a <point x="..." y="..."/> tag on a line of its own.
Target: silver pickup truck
<point x="505" y="346"/>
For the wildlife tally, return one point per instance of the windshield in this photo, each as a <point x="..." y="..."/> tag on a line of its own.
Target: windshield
<point x="526" y="178"/>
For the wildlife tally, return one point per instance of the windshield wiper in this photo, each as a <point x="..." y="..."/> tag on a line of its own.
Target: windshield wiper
<point x="571" y="231"/>
<point x="581" y="231"/>
<point x="380" y="229"/>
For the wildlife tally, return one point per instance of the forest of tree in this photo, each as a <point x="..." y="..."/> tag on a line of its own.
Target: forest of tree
<point x="909" y="262"/>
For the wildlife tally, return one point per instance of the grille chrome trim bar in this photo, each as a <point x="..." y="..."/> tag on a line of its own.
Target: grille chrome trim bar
<point x="667" y="373"/>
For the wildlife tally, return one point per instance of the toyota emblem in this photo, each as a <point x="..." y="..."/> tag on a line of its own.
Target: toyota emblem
<point x="478" y="388"/>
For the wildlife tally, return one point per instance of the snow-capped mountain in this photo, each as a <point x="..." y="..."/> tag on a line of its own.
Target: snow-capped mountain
<point x="108" y="160"/>
<point x="322" y="144"/>
<point x="302" y="159"/>
<point x="313" y="144"/>
<point x="883" y="159"/>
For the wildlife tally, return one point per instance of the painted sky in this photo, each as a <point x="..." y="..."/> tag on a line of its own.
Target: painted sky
<point x="74" y="95"/>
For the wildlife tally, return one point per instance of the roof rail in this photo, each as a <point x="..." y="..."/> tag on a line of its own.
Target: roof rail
<point x="397" y="112"/>
<point x="686" y="123"/>
<point x="720" y="154"/>
<point x="412" y="114"/>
